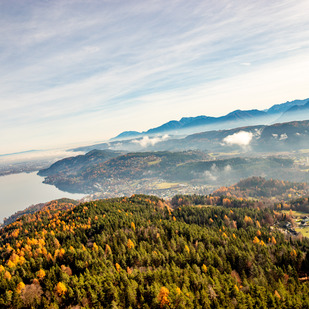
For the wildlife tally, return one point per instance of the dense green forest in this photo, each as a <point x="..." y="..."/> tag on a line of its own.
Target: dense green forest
<point x="140" y="252"/>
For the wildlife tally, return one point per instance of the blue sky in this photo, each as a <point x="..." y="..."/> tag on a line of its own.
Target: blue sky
<point x="83" y="71"/>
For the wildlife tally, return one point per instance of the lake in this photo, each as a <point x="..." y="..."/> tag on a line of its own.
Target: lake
<point x="18" y="191"/>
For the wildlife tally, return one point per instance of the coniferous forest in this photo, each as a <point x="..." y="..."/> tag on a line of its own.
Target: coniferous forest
<point x="142" y="252"/>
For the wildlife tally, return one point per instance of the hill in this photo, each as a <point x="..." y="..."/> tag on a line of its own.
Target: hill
<point x="139" y="253"/>
<point x="166" y="173"/>
<point x="118" y="172"/>
<point x="60" y="204"/>
<point x="74" y="164"/>
<point x="287" y="136"/>
<point x="260" y="187"/>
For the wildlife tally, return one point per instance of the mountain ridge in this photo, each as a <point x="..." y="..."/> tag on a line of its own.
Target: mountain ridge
<point x="235" y="118"/>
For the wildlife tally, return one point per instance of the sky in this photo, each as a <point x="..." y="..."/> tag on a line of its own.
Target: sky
<point x="78" y="72"/>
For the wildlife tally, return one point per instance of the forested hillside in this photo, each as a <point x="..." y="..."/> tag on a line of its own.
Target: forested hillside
<point x="138" y="172"/>
<point x="139" y="252"/>
<point x="260" y="187"/>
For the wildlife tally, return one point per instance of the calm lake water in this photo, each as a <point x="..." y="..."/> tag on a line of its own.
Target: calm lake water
<point x="18" y="191"/>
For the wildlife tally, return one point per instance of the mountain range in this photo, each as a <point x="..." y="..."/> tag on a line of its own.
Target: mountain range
<point x="289" y="111"/>
<point x="286" y="136"/>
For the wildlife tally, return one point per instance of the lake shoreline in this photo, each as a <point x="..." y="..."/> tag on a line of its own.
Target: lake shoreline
<point x="19" y="191"/>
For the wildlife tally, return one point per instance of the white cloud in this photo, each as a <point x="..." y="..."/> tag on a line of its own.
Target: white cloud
<point x="227" y="168"/>
<point x="240" y="138"/>
<point x="147" y="141"/>
<point x="283" y="137"/>
<point x="38" y="155"/>
<point x="209" y="175"/>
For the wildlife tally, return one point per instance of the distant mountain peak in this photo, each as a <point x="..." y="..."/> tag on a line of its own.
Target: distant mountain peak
<point x="233" y="119"/>
<point x="126" y="135"/>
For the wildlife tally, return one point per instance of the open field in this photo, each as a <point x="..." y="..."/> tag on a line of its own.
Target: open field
<point x="166" y="185"/>
<point x="296" y="214"/>
<point x="154" y="162"/>
<point x="304" y="150"/>
<point x="303" y="230"/>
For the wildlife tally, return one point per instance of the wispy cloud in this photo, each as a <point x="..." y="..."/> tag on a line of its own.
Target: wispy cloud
<point x="88" y="70"/>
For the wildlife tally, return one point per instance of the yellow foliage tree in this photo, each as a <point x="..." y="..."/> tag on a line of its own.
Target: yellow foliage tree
<point x="118" y="267"/>
<point x="61" y="252"/>
<point x="108" y="249"/>
<point x="204" y="268"/>
<point x="273" y="240"/>
<point x="11" y="264"/>
<point x="293" y="253"/>
<point x="41" y="274"/>
<point x="20" y="287"/>
<point x="7" y="275"/>
<point x="129" y="270"/>
<point x="61" y="289"/>
<point x="248" y="220"/>
<point x="163" y="297"/>
<point x="277" y="294"/>
<point x="187" y="249"/>
<point x="256" y="240"/>
<point x="130" y="244"/>
<point x="133" y="226"/>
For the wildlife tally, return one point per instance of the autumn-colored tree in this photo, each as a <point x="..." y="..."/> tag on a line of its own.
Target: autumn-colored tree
<point x="61" y="289"/>
<point x="7" y="275"/>
<point x="41" y="274"/>
<point x="248" y="220"/>
<point x="133" y="226"/>
<point x="118" y="267"/>
<point x="130" y="244"/>
<point x="256" y="240"/>
<point x="277" y="294"/>
<point x="204" y="268"/>
<point x="108" y="249"/>
<point x="187" y="249"/>
<point x="20" y="287"/>
<point x="10" y="264"/>
<point x="163" y="297"/>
